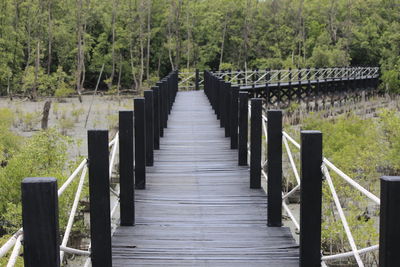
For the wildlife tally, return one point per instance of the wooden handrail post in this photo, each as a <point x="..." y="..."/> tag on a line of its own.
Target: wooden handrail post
<point x="149" y="116"/>
<point x="40" y="222"/>
<point x="217" y="97"/>
<point x="227" y="89"/>
<point x="140" y="143"/>
<point x="255" y="143"/>
<point x="243" y="127"/>
<point x="166" y="102"/>
<point x="389" y="222"/>
<point x="197" y="81"/>
<point x="156" y="111"/>
<point x="99" y="195"/>
<point x="310" y="198"/>
<point x="222" y="99"/>
<point x="161" y="107"/>
<point x="234" y="116"/>
<point x="274" y="167"/>
<point x="126" y="173"/>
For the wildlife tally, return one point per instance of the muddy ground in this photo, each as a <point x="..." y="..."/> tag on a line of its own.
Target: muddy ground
<point x="68" y="116"/>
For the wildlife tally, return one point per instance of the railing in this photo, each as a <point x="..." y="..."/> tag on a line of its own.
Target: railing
<point x="15" y="241"/>
<point x="40" y="232"/>
<point x="326" y="167"/>
<point x="237" y="114"/>
<point x="254" y="77"/>
<point x="190" y="80"/>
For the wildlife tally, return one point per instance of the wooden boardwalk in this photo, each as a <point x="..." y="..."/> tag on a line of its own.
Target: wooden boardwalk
<point x="198" y="209"/>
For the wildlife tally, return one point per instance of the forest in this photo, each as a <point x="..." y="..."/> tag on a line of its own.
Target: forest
<point x="58" y="47"/>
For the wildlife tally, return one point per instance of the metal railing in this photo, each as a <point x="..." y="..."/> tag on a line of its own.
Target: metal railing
<point x="250" y="77"/>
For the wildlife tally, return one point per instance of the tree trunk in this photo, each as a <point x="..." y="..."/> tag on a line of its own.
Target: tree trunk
<point x="188" y="37"/>
<point x="135" y="81"/>
<point x="148" y="40"/>
<point x="223" y="41"/>
<point x="178" y="34"/>
<point x="78" y="75"/>
<point x="119" y="77"/>
<point x="35" y="83"/>
<point x="114" y="14"/>
<point x="45" y="117"/>
<point x="50" y="36"/>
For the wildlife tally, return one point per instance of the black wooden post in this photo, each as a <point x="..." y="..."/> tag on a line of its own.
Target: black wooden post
<point x="234" y="119"/>
<point x="156" y="111"/>
<point x="310" y="198"/>
<point x="243" y="127"/>
<point x="255" y="143"/>
<point x="227" y="124"/>
<point x="217" y="96"/>
<point x="99" y="195"/>
<point x="222" y="101"/>
<point x="161" y="107"/>
<point x="140" y="143"/>
<point x="149" y="115"/>
<point x="274" y="167"/>
<point x="197" y="82"/>
<point x="126" y="175"/>
<point x="389" y="233"/>
<point x="166" y="105"/>
<point x="40" y="222"/>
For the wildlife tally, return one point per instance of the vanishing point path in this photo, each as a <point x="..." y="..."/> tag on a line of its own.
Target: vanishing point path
<point x="197" y="208"/>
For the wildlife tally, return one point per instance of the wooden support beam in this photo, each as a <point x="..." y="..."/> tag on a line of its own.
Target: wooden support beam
<point x="99" y="196"/>
<point x="310" y="198"/>
<point x="40" y="222"/>
<point x="126" y="170"/>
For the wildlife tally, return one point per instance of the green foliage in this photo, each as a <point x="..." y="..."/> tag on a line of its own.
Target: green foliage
<point x="63" y="92"/>
<point x="9" y="142"/>
<point x="112" y="121"/>
<point x="391" y="79"/>
<point x="29" y="120"/>
<point x="364" y="149"/>
<point x="189" y="34"/>
<point x="66" y="123"/>
<point x="53" y="84"/>
<point x="227" y="66"/>
<point x="42" y="155"/>
<point x="324" y="56"/>
<point x="77" y="113"/>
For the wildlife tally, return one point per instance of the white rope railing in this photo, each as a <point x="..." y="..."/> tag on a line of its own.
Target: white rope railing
<point x="15" y="241"/>
<point x="339" y="208"/>
<point x="188" y="80"/>
<point x="326" y="166"/>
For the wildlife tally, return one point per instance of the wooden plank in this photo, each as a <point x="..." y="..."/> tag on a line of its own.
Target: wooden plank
<point x="197" y="209"/>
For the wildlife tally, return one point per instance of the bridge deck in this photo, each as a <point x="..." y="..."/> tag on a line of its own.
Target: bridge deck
<point x="197" y="209"/>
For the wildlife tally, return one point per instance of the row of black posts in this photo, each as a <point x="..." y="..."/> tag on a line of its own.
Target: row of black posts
<point x="139" y="134"/>
<point x="231" y="107"/>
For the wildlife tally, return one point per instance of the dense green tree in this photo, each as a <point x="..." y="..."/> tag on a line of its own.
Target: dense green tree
<point x="140" y="40"/>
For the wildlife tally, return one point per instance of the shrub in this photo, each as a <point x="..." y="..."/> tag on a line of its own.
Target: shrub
<point x="65" y="124"/>
<point x="29" y="120"/>
<point x="42" y="155"/>
<point x="63" y="92"/>
<point x="77" y="113"/>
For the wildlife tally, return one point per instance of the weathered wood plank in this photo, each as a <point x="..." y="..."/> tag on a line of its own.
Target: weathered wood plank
<point x="197" y="209"/>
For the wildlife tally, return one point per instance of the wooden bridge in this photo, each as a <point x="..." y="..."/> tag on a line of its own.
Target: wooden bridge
<point x="197" y="196"/>
<point x="198" y="209"/>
